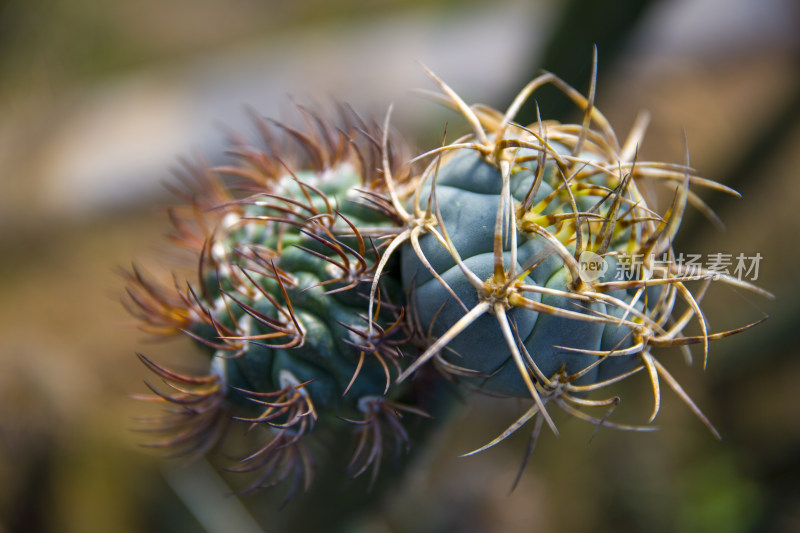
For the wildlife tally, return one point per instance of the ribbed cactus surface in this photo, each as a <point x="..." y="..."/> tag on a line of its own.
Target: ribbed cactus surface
<point x="538" y="265"/>
<point x="284" y="242"/>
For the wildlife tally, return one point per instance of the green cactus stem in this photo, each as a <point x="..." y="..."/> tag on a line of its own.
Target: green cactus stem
<point x="285" y="243"/>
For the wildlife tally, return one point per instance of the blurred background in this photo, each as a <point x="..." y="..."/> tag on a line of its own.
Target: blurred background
<point x="100" y="100"/>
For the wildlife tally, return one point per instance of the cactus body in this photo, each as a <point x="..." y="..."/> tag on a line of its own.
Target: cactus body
<point x="292" y="288"/>
<point x="511" y="225"/>
<point x="286" y="260"/>
<point x="468" y="190"/>
<point x="524" y="261"/>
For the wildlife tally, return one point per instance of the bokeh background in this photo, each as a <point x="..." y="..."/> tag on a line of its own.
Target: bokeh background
<point x="99" y="100"/>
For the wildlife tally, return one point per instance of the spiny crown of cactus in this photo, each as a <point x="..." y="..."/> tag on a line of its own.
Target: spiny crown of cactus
<point x="284" y="254"/>
<point x="321" y="277"/>
<point x="538" y="267"/>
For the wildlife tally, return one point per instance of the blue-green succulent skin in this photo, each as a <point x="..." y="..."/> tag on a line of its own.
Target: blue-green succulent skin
<point x="468" y="194"/>
<point x="537" y="266"/>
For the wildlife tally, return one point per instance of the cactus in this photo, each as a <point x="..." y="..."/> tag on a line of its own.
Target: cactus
<point x="502" y="232"/>
<point x="285" y="255"/>
<point x="524" y="261"/>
